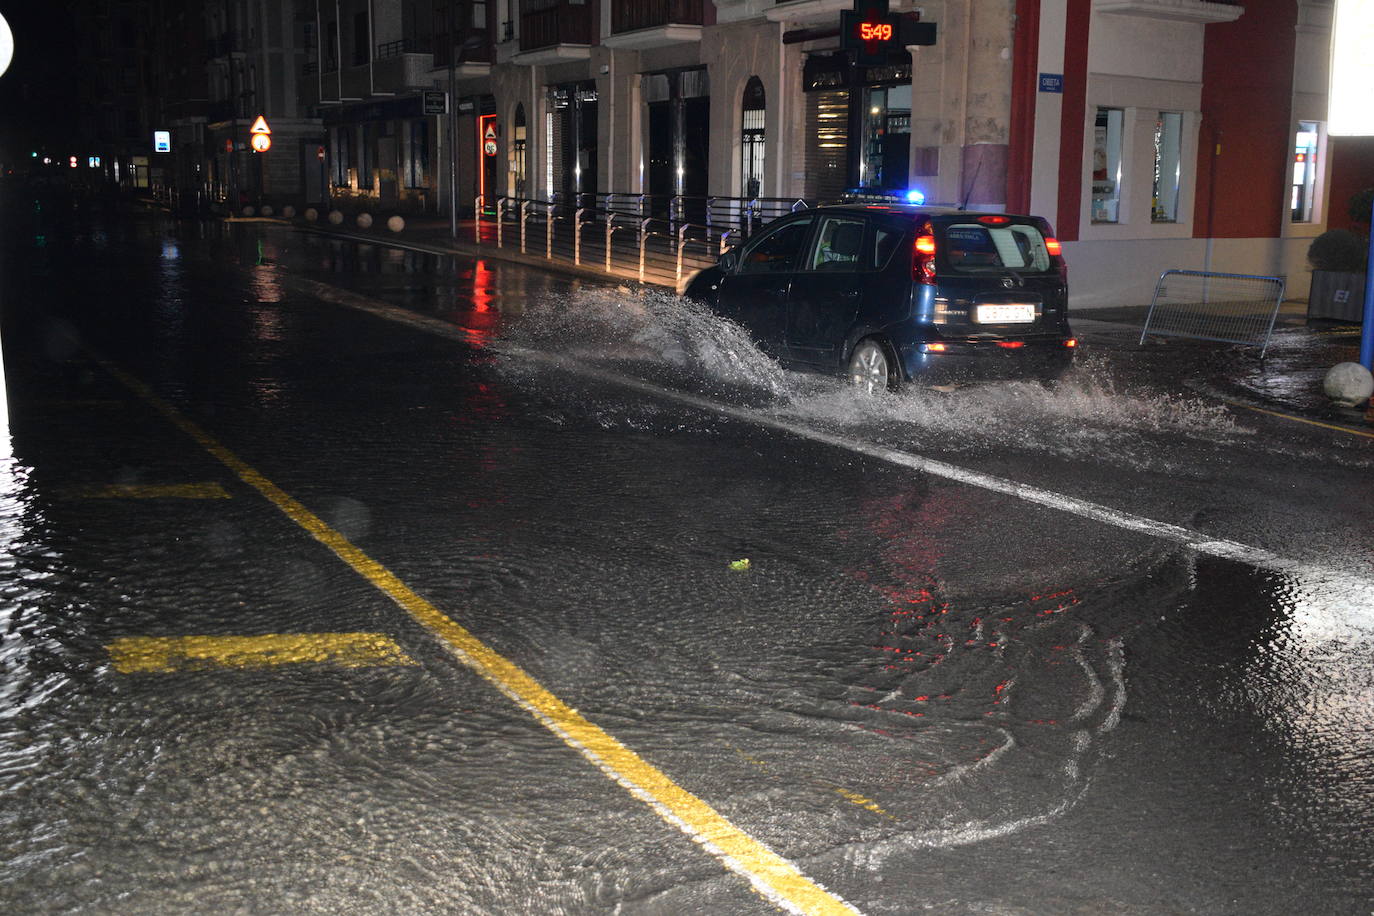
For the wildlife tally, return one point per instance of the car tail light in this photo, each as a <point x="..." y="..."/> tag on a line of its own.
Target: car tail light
<point x="923" y="257"/>
<point x="1071" y="342"/>
<point x="994" y="220"/>
<point x="1053" y="247"/>
<point x="935" y="348"/>
<point x="1011" y="344"/>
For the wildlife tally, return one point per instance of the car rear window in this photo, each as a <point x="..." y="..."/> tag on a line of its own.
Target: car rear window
<point x="974" y="248"/>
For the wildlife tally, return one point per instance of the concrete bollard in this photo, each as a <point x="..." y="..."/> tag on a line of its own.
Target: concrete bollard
<point x="267" y="210"/>
<point x="1348" y="384"/>
<point x="288" y="212"/>
<point x="335" y="218"/>
<point x="249" y="211"/>
<point x="311" y="214"/>
<point x="364" y="220"/>
<point x="396" y="224"/>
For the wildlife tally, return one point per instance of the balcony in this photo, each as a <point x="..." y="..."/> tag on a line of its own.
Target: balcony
<point x="1197" y="11"/>
<point x="639" y="24"/>
<point x="554" y="31"/>
<point x="401" y="66"/>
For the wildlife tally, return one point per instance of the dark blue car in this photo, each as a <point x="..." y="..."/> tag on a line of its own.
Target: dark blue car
<point x="889" y="293"/>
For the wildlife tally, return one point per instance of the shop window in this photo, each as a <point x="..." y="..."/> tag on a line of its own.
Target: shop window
<point x="1305" y="168"/>
<point x="417" y="154"/>
<point x="1168" y="165"/>
<point x="1107" y="165"/>
<point x="519" y="139"/>
<point x="752" y="139"/>
<point x="886" y="158"/>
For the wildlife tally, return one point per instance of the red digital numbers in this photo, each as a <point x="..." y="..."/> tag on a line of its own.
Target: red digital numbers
<point x="875" y="31"/>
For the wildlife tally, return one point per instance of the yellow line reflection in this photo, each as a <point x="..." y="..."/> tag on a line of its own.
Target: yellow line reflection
<point x="165" y="654"/>
<point x="149" y="491"/>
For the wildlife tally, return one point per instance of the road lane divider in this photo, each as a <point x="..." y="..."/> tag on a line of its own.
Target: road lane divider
<point x="773" y="877"/>
<point x="148" y="491"/>
<point x="168" y="654"/>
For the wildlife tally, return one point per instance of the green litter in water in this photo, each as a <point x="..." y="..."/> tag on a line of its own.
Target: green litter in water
<point x="739" y="565"/>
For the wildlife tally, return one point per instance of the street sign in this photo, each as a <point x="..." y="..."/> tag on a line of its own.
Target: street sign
<point x="162" y="141"/>
<point x="1051" y="82"/>
<point x="435" y="102"/>
<point x="319" y="153"/>
<point x="260" y="126"/>
<point x="262" y="142"/>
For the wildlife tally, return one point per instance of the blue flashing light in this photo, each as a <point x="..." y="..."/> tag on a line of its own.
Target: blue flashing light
<point x="916" y="196"/>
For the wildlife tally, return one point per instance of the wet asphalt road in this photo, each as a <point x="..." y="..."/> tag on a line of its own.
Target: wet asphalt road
<point x="924" y="692"/>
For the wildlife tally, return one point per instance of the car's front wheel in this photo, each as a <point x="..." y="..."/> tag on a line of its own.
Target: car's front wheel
<point x="871" y="369"/>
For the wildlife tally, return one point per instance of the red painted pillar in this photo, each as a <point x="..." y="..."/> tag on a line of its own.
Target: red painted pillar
<point x="1071" y="130"/>
<point x="1024" y="85"/>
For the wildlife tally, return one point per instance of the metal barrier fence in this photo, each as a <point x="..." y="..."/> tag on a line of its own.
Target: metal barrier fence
<point x="1229" y="308"/>
<point x="627" y="236"/>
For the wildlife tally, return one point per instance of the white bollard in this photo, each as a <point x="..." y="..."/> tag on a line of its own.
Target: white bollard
<point x="311" y="214"/>
<point x="364" y="220"/>
<point x="396" y="224"/>
<point x="335" y="218"/>
<point x="1348" y="384"/>
<point x="249" y="211"/>
<point x="267" y="210"/>
<point x="288" y="212"/>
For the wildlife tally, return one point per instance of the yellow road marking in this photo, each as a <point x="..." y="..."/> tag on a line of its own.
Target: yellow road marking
<point x="772" y="876"/>
<point x="165" y="654"/>
<point x="149" y="491"/>
<point x="1288" y="416"/>
<point x="863" y="802"/>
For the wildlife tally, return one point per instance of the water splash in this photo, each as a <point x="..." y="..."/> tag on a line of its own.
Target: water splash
<point x="659" y="337"/>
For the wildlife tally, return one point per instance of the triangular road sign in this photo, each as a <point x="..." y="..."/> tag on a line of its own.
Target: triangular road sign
<point x="260" y="126"/>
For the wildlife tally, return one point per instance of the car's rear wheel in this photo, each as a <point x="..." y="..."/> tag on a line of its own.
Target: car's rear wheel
<point x="871" y="369"/>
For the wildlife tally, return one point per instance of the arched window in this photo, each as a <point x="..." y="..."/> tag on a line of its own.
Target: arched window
<point x="752" y="139"/>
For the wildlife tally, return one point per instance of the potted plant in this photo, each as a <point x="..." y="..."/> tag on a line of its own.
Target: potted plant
<point x="1338" y="260"/>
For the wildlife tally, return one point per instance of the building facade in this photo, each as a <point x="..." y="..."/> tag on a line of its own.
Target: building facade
<point x="1153" y="134"/>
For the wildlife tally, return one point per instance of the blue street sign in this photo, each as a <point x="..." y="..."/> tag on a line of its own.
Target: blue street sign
<point x="1051" y="82"/>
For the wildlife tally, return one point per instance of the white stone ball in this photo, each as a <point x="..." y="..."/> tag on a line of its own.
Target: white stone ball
<point x="1348" y="384"/>
<point x="364" y="220"/>
<point x="288" y="212"/>
<point x="336" y="217"/>
<point x="248" y="210"/>
<point x="267" y="210"/>
<point x="395" y="224"/>
<point x="311" y="214"/>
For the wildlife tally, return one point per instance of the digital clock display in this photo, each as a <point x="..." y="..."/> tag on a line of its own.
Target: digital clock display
<point x="875" y="31"/>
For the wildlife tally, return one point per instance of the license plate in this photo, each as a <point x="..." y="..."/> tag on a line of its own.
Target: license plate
<point x="1005" y="313"/>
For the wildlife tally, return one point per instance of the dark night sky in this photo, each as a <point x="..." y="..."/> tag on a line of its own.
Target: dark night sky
<point x="38" y="106"/>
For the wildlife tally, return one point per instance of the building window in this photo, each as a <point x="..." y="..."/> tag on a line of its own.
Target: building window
<point x="343" y="155"/>
<point x="417" y="154"/>
<point x="365" y="158"/>
<point x="361" y="45"/>
<point x="1168" y="164"/>
<point x="752" y="139"/>
<point x="1107" y="165"/>
<point x="1305" y="168"/>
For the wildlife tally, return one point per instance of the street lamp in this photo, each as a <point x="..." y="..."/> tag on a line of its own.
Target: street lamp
<point x="6" y="45"/>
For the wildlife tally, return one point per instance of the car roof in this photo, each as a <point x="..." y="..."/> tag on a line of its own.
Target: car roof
<point x="908" y="209"/>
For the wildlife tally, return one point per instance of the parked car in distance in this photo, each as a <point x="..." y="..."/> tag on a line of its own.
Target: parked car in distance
<point x="889" y="293"/>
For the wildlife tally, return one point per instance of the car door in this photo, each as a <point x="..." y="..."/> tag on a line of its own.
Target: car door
<point x="754" y="294"/>
<point x="825" y="297"/>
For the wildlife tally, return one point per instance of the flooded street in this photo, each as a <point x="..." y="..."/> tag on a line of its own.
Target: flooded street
<point x="346" y="578"/>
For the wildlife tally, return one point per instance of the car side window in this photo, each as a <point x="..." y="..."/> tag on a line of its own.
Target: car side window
<point x="884" y="243"/>
<point x="777" y="250"/>
<point x="839" y="245"/>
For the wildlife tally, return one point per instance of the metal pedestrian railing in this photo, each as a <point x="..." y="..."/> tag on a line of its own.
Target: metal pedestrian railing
<point x="641" y="237"/>
<point x="1204" y="305"/>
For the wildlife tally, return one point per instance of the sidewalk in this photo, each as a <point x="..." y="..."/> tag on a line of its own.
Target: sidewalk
<point x="1287" y="381"/>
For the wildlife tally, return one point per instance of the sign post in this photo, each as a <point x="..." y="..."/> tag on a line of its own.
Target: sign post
<point x="1350" y="115"/>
